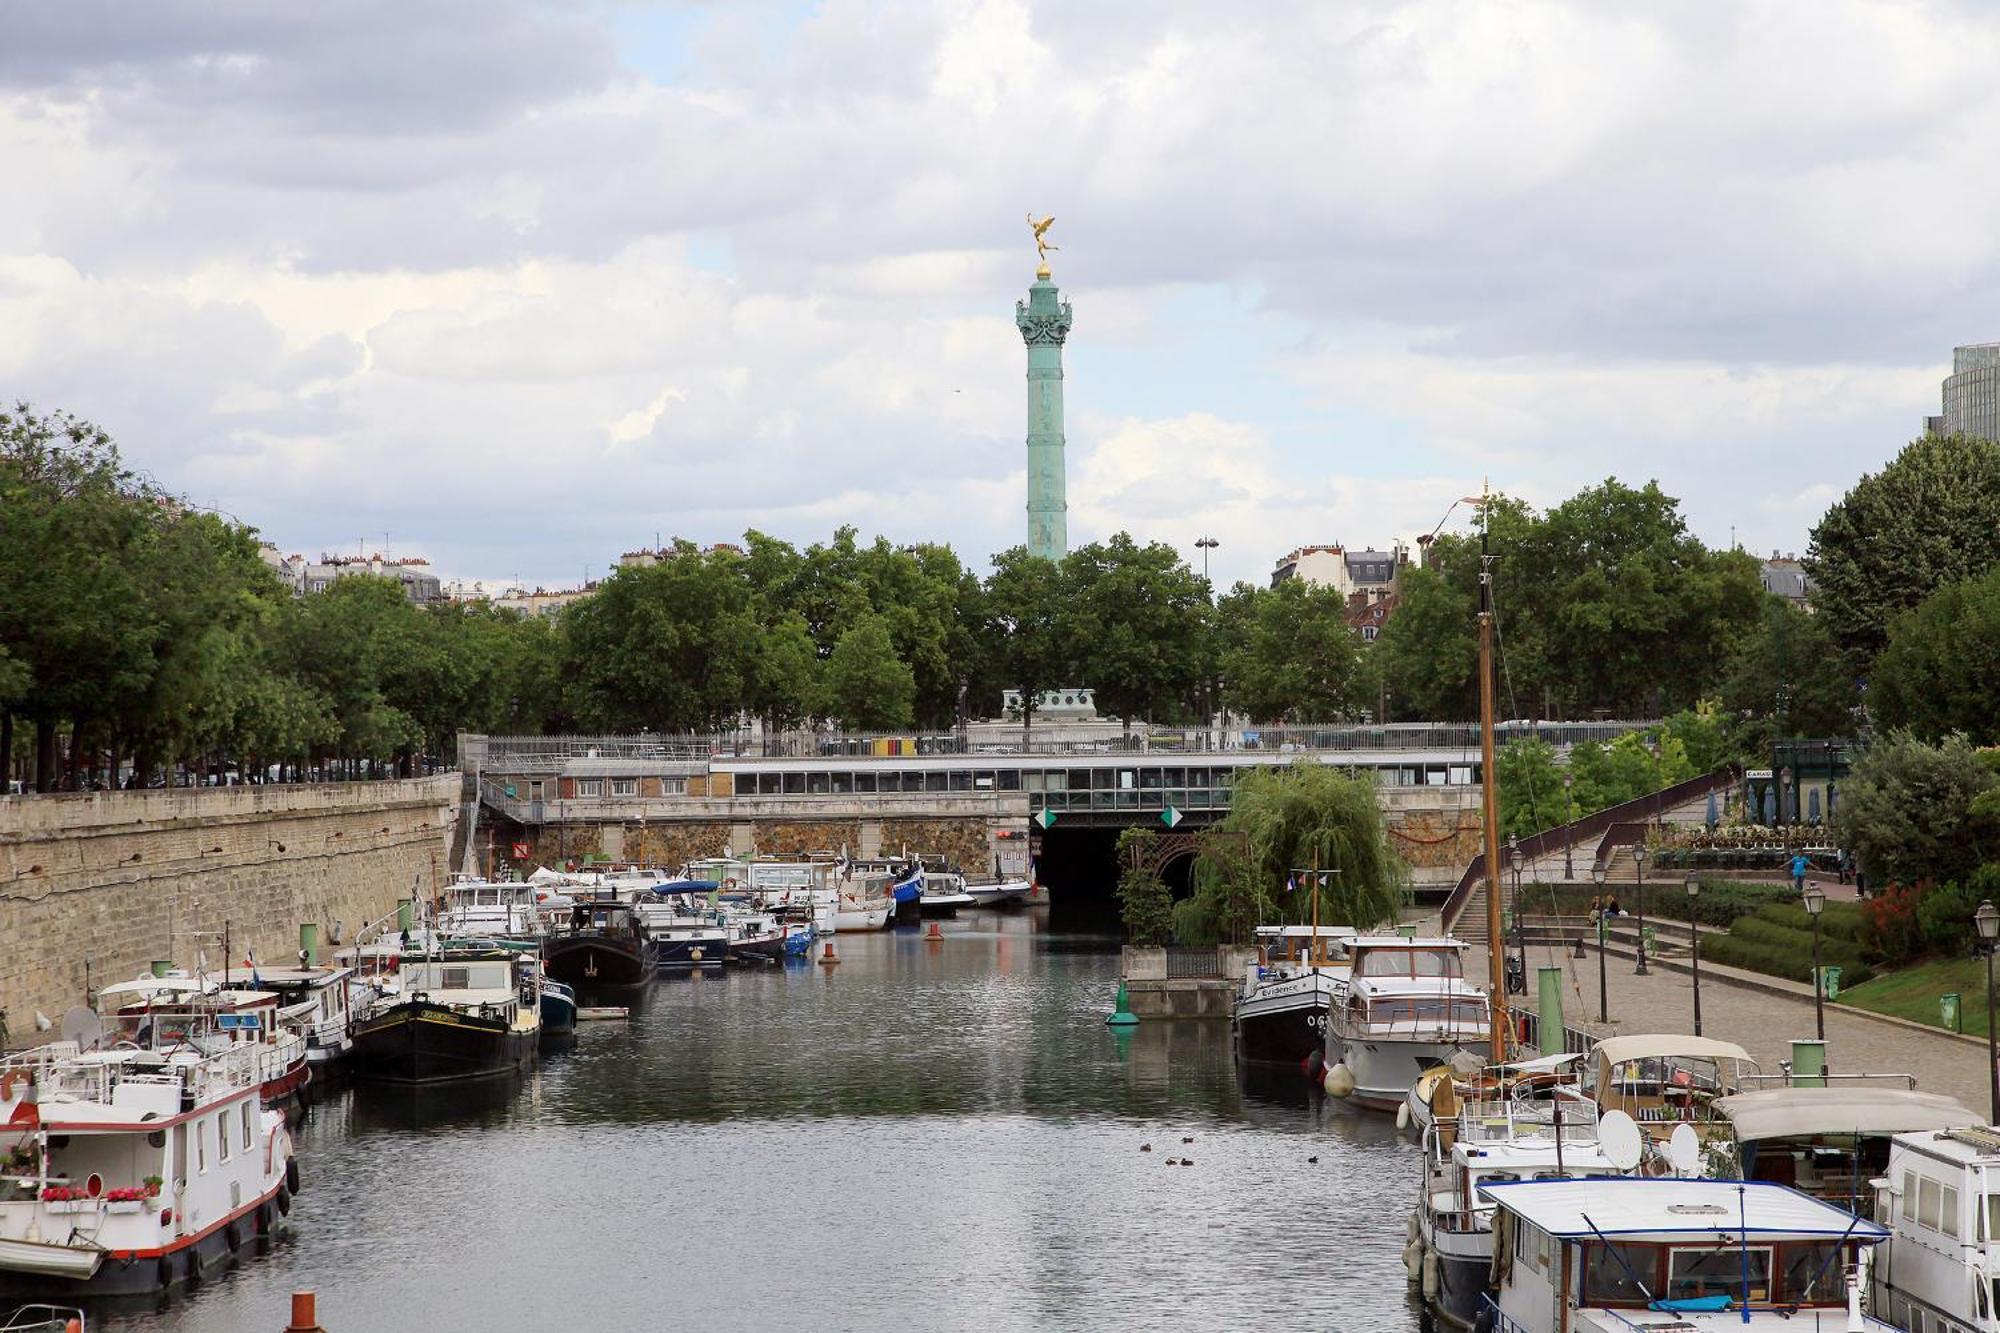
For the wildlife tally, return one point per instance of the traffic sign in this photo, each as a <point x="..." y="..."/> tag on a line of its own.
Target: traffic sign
<point x="1170" y="816"/>
<point x="1045" y="818"/>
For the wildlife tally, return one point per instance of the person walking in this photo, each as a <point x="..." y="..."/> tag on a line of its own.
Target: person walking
<point x="1799" y="867"/>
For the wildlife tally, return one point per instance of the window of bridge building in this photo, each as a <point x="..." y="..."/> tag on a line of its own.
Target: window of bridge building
<point x="1101" y="779"/>
<point x="1009" y="779"/>
<point x="1079" y="779"/>
<point x="961" y="780"/>
<point x="761" y="784"/>
<point x="819" y="784"/>
<point x="1461" y="775"/>
<point x="843" y="784"/>
<point x="587" y="787"/>
<point x="1434" y="777"/>
<point x="624" y="786"/>
<point x="1149" y="779"/>
<point x="795" y="784"/>
<point x="937" y="780"/>
<point x="864" y="782"/>
<point x="913" y="781"/>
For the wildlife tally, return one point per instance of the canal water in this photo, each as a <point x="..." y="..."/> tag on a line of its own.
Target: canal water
<point x="928" y="1136"/>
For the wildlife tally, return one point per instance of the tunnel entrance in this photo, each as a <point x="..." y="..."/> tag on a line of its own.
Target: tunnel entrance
<point x="1080" y="868"/>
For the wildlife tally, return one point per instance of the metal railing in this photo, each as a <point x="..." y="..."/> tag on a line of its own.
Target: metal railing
<point x="1192" y="962"/>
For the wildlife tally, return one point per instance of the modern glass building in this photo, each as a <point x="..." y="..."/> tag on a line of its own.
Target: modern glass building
<point x="1971" y="394"/>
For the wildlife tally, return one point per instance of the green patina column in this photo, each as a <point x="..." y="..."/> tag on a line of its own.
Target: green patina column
<point x="1044" y="323"/>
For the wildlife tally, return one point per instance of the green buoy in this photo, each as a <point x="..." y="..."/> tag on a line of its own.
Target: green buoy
<point x="1122" y="1016"/>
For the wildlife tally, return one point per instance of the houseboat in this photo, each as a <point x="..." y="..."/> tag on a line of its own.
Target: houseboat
<point x="1280" y="1013"/>
<point x="314" y="1001"/>
<point x="686" y="935"/>
<point x="1833" y="1142"/>
<point x="1939" y="1195"/>
<point x="1003" y="893"/>
<point x="454" y="1017"/>
<point x="491" y="909"/>
<point x="131" y="1168"/>
<point x="1686" y="1256"/>
<point x="173" y="1005"/>
<point x="1404" y="1007"/>
<point x="600" y="944"/>
<point x="1665" y="1079"/>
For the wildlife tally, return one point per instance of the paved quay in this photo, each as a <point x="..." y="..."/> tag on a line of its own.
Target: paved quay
<point x="1764" y="1018"/>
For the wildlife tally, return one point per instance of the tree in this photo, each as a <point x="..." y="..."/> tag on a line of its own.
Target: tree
<point x="1530" y="784"/>
<point x="1143" y="900"/>
<point x="1428" y="652"/>
<point x="1295" y="658"/>
<point x="1139" y="618"/>
<point x="1307" y="814"/>
<point x="1912" y="811"/>
<point x="785" y="680"/>
<point x="868" y="687"/>
<point x="1032" y="650"/>
<point x="1928" y="519"/>
<point x="1787" y="677"/>
<point x="1941" y="671"/>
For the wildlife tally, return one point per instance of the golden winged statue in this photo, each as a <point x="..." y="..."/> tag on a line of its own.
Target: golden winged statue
<point x="1042" y="247"/>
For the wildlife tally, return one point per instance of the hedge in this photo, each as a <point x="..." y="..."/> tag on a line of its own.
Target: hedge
<point x="1779" y="960"/>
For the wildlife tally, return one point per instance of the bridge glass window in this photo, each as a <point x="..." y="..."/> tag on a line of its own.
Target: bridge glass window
<point x="937" y="780"/>
<point x="1461" y="775"/>
<point x="1079" y="779"/>
<point x="1150" y="779"/>
<point x="624" y="786"/>
<point x="765" y="784"/>
<point x="843" y="784"/>
<point x="1128" y="779"/>
<point x="1102" y="778"/>
<point x="1173" y="777"/>
<point x="864" y="782"/>
<point x="819" y="784"/>
<point x="1009" y="779"/>
<point x="795" y="784"/>
<point x="961" y="780"/>
<point x="913" y="781"/>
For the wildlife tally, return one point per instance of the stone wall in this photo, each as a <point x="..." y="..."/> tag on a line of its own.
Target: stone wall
<point x="968" y="842"/>
<point x="1437" y="841"/>
<point x="113" y="880"/>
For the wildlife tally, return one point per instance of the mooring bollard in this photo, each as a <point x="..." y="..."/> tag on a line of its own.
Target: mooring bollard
<point x="305" y="1318"/>
<point x="829" y="958"/>
<point x="936" y="932"/>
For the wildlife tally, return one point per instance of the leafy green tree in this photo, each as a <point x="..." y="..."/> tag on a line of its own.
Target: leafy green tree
<point x="1032" y="648"/>
<point x="786" y="685"/>
<point x="1913" y="811"/>
<point x="1294" y="818"/>
<point x="1295" y="658"/>
<point x="1702" y="736"/>
<point x="1941" y="671"/>
<point x="1139" y="618"/>
<point x="1429" y="649"/>
<point x="1929" y="519"/>
<point x="1787" y="677"/>
<point x="1143" y="900"/>
<point x="868" y="686"/>
<point x="1530" y="783"/>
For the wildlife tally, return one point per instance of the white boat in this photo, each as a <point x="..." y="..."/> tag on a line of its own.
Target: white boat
<point x="128" y="1169"/>
<point x="1404" y="1007"/>
<point x="944" y="893"/>
<point x="1008" y="893"/>
<point x="1677" y="1256"/>
<point x="1665" y="1079"/>
<point x="493" y="909"/>
<point x="1834" y="1142"/>
<point x="1530" y="1120"/>
<point x="169" y="1006"/>
<point x="1939" y="1195"/>
<point x="312" y="1000"/>
<point x="858" y="913"/>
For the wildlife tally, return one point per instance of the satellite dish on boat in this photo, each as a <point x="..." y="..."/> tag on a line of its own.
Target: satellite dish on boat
<point x="83" y="1027"/>
<point x="1684" y="1151"/>
<point x="1618" y="1135"/>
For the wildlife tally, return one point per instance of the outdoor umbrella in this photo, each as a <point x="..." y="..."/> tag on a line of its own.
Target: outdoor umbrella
<point x="1770" y="806"/>
<point x="1711" y="812"/>
<point x="1812" y="806"/>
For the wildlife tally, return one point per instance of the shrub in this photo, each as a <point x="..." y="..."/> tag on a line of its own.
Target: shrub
<point x="1840" y="921"/>
<point x="1832" y="949"/>
<point x="1779" y="960"/>
<point x="1944" y="915"/>
<point x="1892" y="930"/>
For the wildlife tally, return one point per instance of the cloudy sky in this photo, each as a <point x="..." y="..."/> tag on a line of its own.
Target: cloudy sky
<point x="521" y="286"/>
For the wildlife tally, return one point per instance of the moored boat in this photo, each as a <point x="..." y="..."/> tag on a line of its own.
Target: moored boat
<point x="172" y="1004"/>
<point x="454" y="1017"/>
<point x="600" y="944"/>
<point x="558" y="1007"/>
<point x="1279" y="1016"/>
<point x="1404" y="1007"/>
<point x="1007" y="893"/>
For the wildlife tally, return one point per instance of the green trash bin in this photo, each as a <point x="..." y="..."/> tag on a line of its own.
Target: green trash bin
<point x="1829" y="981"/>
<point x="1949" y="1014"/>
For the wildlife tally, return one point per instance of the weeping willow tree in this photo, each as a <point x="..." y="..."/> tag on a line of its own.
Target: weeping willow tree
<point x="1294" y="818"/>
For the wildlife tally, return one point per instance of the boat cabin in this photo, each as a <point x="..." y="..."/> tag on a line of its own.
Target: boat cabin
<point x="1615" y="1255"/>
<point x="1289" y="946"/>
<point x="1411" y="989"/>
<point x="486" y="907"/>
<point x="1939" y="1195"/>
<point x="1666" y="1079"/>
<point x="1832" y="1142"/>
<point x="491" y="984"/>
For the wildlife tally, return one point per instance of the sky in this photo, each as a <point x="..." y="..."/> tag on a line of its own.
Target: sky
<point x="518" y="286"/>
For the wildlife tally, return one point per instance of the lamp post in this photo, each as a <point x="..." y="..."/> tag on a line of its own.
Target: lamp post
<point x="1815" y="898"/>
<point x="1987" y="918"/>
<point x="1694" y="935"/>
<point x="1206" y="544"/>
<point x="1639" y="859"/>
<point x="1569" y="817"/>
<point x="1520" y="930"/>
<point x="1597" y="874"/>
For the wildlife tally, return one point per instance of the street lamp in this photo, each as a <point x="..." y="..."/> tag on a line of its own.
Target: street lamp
<point x="1639" y="859"/>
<point x="1694" y="934"/>
<point x="1569" y="817"/>
<point x="1815" y="904"/>
<point x="1987" y="918"/>
<point x="1520" y="929"/>
<point x="1206" y="544"/>
<point x="1597" y="874"/>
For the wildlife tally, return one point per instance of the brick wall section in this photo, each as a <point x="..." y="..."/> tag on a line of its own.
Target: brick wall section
<point x="966" y="841"/>
<point x="801" y="839"/>
<point x="121" y="878"/>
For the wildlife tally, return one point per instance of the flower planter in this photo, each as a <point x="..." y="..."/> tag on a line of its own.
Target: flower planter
<point x="70" y="1205"/>
<point x="125" y="1206"/>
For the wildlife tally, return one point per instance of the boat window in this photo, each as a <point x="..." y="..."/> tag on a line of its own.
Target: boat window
<point x="1909" y="1196"/>
<point x="1948" y="1219"/>
<point x="456" y="978"/>
<point x="221" y="1136"/>
<point x="1992" y="1217"/>
<point x="249" y="1132"/>
<point x="1609" y="1273"/>
<point x="1927" y="1202"/>
<point x="200" y="1128"/>
<point x="1814" y="1273"/>
<point x="1720" y="1270"/>
<point x="1435" y="963"/>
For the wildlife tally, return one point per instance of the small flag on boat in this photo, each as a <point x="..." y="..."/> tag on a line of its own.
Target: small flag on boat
<point x="250" y="960"/>
<point x="1291" y="883"/>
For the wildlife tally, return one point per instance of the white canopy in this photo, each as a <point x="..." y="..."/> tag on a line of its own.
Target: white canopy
<point x="1546" y="1064"/>
<point x="1797" y="1112"/>
<point x="168" y="985"/>
<point x="1640" y="1209"/>
<point x="1659" y="1045"/>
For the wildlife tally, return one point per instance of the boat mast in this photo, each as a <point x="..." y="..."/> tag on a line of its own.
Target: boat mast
<point x="1489" y="799"/>
<point x="1312" y="946"/>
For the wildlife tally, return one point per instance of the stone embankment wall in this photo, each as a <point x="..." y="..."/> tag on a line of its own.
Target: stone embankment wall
<point x="109" y="881"/>
<point x="670" y="844"/>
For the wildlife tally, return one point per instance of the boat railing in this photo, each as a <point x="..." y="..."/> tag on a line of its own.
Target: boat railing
<point x="1788" y="1079"/>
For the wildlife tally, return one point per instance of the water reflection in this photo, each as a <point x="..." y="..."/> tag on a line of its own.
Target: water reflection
<point x="926" y="1136"/>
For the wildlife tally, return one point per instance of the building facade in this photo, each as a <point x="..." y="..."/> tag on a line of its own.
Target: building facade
<point x="1376" y="574"/>
<point x="1784" y="576"/>
<point x="1971" y="394"/>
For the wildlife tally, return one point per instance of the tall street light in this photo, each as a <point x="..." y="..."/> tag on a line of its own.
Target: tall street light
<point x="1520" y="930"/>
<point x="1206" y="544"/>
<point x="1815" y="904"/>
<point x="1639" y="859"/>
<point x="1569" y="817"/>
<point x="1987" y="918"/>
<point x="1597" y="876"/>
<point x="1694" y="933"/>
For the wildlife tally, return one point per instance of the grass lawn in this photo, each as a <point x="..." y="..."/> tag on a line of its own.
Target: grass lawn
<point x="1912" y="992"/>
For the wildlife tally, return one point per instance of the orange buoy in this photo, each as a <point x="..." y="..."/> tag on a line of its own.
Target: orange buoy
<point x="936" y="932"/>
<point x="828" y="959"/>
<point x="305" y="1318"/>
